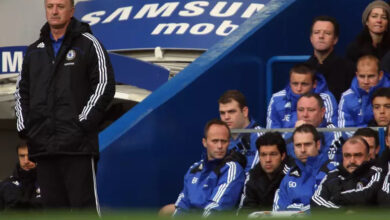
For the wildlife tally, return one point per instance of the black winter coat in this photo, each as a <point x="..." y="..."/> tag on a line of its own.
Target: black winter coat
<point x="341" y="188"/>
<point x="20" y="191"/>
<point x="259" y="190"/>
<point x="60" y="100"/>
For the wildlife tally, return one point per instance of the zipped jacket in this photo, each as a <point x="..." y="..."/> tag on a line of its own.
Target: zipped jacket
<point x="282" y="108"/>
<point x="211" y="186"/>
<point x="299" y="185"/>
<point x="60" y="100"/>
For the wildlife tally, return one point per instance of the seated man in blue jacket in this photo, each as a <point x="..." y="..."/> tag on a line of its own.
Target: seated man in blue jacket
<point x="214" y="183"/>
<point x="282" y="111"/>
<point x="311" y="110"/>
<point x="298" y="186"/>
<point x="355" y="109"/>
<point x="234" y="111"/>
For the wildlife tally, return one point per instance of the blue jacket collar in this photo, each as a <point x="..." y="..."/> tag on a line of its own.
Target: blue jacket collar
<point x="291" y="97"/>
<point x="360" y="92"/>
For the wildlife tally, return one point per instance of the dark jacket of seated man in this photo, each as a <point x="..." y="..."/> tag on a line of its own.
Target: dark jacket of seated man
<point x="260" y="190"/>
<point x="342" y="188"/>
<point x="20" y="191"/>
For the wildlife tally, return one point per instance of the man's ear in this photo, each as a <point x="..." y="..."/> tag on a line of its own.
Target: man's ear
<point x="245" y="111"/>
<point x="204" y="142"/>
<point x="318" y="145"/>
<point x="380" y="74"/>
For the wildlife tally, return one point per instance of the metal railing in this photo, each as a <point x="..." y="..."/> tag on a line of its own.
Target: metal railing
<point x="381" y="132"/>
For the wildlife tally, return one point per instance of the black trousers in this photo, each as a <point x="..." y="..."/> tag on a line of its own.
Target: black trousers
<point x="68" y="182"/>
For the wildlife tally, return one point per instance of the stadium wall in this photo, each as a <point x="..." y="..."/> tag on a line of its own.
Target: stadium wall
<point x="145" y="154"/>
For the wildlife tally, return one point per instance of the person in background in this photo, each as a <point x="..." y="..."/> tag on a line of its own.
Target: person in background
<point x="372" y="139"/>
<point x="338" y="72"/>
<point x="311" y="110"/>
<point x="234" y="111"/>
<point x="381" y="107"/>
<point x="374" y="39"/>
<point x="21" y="190"/>
<point x="355" y="109"/>
<point x="282" y="108"/>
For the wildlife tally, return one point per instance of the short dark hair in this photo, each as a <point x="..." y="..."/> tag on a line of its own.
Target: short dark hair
<point x="314" y="95"/>
<point x="357" y="139"/>
<point x="272" y="138"/>
<point x="214" y="121"/>
<point x="381" y="92"/>
<point x="307" y="128"/>
<point x="235" y="95"/>
<point x="303" y="68"/>
<point x="20" y="145"/>
<point x="329" y="19"/>
<point x="368" y="132"/>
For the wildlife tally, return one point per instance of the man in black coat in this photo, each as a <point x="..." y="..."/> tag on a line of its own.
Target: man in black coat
<point x="21" y="191"/>
<point x="264" y="179"/>
<point x="64" y="88"/>
<point x="346" y="185"/>
<point x="337" y="71"/>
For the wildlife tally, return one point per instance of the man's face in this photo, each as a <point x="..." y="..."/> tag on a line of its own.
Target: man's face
<point x="233" y="115"/>
<point x="58" y="13"/>
<point x="216" y="142"/>
<point x="354" y="155"/>
<point x="305" y="146"/>
<point x="301" y="83"/>
<point x="24" y="162"/>
<point x="373" y="148"/>
<point x="368" y="74"/>
<point x="377" y="21"/>
<point x="309" y="110"/>
<point x="270" y="158"/>
<point x="322" y="36"/>
<point x="381" y="109"/>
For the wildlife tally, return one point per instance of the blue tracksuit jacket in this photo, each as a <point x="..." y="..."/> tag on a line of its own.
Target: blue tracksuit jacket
<point x="298" y="186"/>
<point x="282" y="108"/>
<point x="205" y="190"/>
<point x="355" y="108"/>
<point x="330" y="143"/>
<point x="246" y="144"/>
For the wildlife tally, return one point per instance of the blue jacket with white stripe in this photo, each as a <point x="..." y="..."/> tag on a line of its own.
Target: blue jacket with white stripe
<point x="211" y="186"/>
<point x="355" y="108"/>
<point x="298" y="186"/>
<point x="246" y="144"/>
<point x="282" y="108"/>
